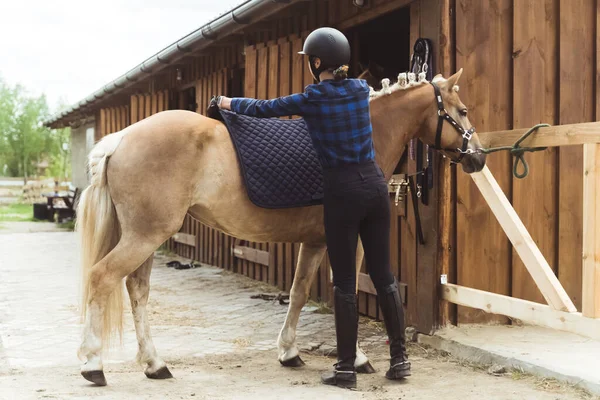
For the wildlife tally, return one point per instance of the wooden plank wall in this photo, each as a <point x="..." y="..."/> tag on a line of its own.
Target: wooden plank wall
<point x="110" y="120"/>
<point x="144" y="105"/>
<point x="532" y="62"/>
<point x="113" y="119"/>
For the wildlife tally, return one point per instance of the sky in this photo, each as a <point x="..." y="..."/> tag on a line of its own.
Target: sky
<point x="68" y="49"/>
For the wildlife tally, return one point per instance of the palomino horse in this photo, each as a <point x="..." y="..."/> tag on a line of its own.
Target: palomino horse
<point x="192" y="160"/>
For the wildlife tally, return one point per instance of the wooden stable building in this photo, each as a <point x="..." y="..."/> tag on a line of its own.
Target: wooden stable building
<point x="525" y="62"/>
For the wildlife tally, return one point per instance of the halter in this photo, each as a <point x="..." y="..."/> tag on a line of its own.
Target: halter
<point x="443" y="115"/>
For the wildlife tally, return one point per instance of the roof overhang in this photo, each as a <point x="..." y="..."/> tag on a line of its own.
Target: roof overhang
<point x="248" y="12"/>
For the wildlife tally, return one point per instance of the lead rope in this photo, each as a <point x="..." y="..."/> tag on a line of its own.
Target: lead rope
<point x="518" y="152"/>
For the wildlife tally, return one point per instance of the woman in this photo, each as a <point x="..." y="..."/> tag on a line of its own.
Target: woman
<point x="356" y="202"/>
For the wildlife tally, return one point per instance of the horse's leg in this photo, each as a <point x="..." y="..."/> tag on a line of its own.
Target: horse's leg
<point x="309" y="260"/>
<point x="361" y="363"/>
<point x="105" y="277"/>
<point x="138" y="286"/>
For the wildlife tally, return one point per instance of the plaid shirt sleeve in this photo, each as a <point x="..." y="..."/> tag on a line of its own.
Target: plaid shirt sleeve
<point x="295" y="104"/>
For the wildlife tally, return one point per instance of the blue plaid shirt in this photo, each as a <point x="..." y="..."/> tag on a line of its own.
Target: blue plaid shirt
<point x="336" y="113"/>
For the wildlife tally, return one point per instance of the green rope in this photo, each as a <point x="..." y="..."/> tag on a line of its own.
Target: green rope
<point x="519" y="152"/>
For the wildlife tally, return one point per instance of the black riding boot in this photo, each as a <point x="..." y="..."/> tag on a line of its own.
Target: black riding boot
<point x="393" y="316"/>
<point x="346" y="330"/>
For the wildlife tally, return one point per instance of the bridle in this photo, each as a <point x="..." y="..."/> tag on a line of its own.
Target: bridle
<point x="444" y="116"/>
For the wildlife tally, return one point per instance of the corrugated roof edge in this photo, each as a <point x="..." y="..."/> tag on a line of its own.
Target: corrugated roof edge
<point x="248" y="12"/>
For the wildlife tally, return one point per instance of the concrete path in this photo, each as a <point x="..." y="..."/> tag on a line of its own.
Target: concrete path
<point x="218" y="342"/>
<point x="544" y="352"/>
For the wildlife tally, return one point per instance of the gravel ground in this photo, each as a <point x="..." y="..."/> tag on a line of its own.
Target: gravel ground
<point x="218" y="342"/>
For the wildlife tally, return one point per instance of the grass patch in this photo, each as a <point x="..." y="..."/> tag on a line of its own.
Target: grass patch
<point x="16" y="212"/>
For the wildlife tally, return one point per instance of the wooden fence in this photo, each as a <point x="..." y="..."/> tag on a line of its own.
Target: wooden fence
<point x="272" y="263"/>
<point x="530" y="62"/>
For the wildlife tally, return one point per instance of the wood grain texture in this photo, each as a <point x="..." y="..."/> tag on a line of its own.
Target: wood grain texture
<point x="591" y="231"/>
<point x="535" y="54"/>
<point x="576" y="104"/>
<point x="141" y="107"/>
<point x="147" y="105"/>
<point x="134" y="109"/>
<point x="559" y="135"/>
<point x="262" y="72"/>
<point x="591" y="209"/>
<point x="484" y="51"/>
<point x="273" y="68"/>
<point x="526" y="311"/>
<point x="446" y="184"/>
<point x="297" y="66"/>
<point x="407" y="228"/>
<point x="250" y="80"/>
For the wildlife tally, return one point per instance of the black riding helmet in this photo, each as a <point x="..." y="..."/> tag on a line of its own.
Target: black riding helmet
<point x="328" y="44"/>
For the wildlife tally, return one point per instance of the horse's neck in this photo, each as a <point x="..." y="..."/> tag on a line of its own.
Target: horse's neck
<point x="396" y="119"/>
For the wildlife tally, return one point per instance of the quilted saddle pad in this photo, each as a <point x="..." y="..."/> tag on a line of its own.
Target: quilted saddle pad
<point x="278" y="161"/>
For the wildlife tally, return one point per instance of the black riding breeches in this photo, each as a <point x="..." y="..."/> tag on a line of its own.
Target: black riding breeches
<point x="357" y="204"/>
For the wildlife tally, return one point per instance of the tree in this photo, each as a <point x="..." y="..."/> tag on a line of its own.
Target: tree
<point x="24" y="141"/>
<point x="28" y="138"/>
<point x="60" y="153"/>
<point x="7" y="107"/>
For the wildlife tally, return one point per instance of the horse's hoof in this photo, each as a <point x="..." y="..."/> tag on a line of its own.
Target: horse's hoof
<point x="293" y="362"/>
<point x="366" y="368"/>
<point x="162" y="373"/>
<point x="96" y="377"/>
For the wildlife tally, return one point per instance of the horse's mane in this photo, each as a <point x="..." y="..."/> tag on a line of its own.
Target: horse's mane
<point x="406" y="80"/>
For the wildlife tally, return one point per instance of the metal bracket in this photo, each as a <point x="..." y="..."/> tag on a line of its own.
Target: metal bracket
<point x="398" y="184"/>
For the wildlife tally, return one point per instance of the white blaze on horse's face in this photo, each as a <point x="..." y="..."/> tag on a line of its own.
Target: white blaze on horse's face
<point x="451" y="138"/>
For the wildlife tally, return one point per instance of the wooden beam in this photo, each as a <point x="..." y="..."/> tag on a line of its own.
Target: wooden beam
<point x="370" y="13"/>
<point x="591" y="236"/>
<point x="532" y="258"/>
<point x="185" y="238"/>
<point x="526" y="311"/>
<point x="365" y="284"/>
<point x="252" y="255"/>
<point x="559" y="135"/>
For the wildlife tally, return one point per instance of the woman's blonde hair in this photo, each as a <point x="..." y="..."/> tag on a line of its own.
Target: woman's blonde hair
<point x="341" y="73"/>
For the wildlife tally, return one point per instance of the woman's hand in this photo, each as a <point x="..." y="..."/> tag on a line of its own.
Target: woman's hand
<point x="225" y="103"/>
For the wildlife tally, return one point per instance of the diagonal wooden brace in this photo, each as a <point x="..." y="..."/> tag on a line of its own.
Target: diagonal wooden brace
<point x="530" y="254"/>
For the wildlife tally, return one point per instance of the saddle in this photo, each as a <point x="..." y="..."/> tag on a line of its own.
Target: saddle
<point x="277" y="159"/>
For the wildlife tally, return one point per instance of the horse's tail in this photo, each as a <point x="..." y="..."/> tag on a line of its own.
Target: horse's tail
<point x="99" y="232"/>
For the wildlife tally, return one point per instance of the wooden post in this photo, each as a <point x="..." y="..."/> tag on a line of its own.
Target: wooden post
<point x="591" y="236"/>
<point x="534" y="261"/>
<point x="446" y="228"/>
<point x="590" y="303"/>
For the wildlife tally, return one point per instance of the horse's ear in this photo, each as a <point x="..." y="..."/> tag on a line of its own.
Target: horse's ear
<point x="453" y="80"/>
